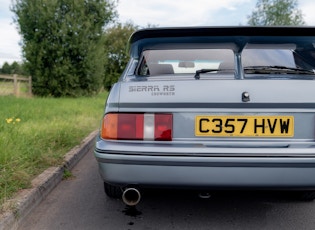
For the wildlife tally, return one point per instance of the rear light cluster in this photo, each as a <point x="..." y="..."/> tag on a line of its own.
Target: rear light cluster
<point x="137" y="126"/>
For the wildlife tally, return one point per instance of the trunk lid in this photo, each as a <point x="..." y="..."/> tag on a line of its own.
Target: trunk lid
<point x="203" y="110"/>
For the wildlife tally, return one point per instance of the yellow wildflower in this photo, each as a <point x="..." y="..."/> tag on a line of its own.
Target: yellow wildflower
<point x="9" y="120"/>
<point x="17" y="119"/>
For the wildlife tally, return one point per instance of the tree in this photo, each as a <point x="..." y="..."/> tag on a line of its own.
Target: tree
<point x="276" y="13"/>
<point x="62" y="44"/>
<point x="115" y="43"/>
<point x="6" y="68"/>
<point x="16" y="68"/>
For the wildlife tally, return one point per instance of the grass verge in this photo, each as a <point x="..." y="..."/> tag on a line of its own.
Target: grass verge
<point x="35" y="133"/>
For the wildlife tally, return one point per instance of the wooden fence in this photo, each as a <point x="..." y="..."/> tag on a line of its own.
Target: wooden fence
<point x="11" y="84"/>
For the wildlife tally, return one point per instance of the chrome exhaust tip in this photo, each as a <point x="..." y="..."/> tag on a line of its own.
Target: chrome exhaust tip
<point x="131" y="196"/>
<point x="204" y="195"/>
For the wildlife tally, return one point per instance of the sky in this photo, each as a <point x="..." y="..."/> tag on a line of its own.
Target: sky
<point x="162" y="13"/>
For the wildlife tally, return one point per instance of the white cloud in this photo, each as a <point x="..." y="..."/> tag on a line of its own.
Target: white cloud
<point x="179" y="13"/>
<point x="307" y="7"/>
<point x="156" y="12"/>
<point x="10" y="50"/>
<point x="9" y="42"/>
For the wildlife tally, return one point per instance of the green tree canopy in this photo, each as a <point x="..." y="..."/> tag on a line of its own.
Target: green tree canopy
<point x="14" y="68"/>
<point x="62" y="43"/>
<point x="276" y="13"/>
<point x="115" y="43"/>
<point x="6" y="68"/>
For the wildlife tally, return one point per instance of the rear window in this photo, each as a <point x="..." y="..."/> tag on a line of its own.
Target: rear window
<point x="188" y="61"/>
<point x="301" y="56"/>
<point x="268" y="57"/>
<point x="159" y="62"/>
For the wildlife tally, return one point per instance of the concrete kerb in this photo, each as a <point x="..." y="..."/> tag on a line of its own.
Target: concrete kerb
<point x="26" y="200"/>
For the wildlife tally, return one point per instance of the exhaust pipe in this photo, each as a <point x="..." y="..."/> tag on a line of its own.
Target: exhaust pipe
<point x="131" y="196"/>
<point x="204" y="195"/>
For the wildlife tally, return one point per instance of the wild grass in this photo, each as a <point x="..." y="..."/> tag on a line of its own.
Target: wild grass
<point x="7" y="88"/>
<point x="35" y="133"/>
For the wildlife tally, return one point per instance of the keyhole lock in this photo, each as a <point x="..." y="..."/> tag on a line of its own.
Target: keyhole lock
<point x="245" y="97"/>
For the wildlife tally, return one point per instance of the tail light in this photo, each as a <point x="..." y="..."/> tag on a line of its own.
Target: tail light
<point x="137" y="126"/>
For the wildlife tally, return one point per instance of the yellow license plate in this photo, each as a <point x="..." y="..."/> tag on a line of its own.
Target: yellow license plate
<point x="244" y="126"/>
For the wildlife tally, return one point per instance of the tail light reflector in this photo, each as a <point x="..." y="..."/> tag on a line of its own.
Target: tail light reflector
<point x="137" y="126"/>
<point x="163" y="127"/>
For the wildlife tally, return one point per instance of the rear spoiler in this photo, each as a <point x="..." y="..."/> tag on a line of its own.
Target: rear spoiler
<point x="236" y="34"/>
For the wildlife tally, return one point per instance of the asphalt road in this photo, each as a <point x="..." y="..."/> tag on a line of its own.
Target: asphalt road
<point x="80" y="203"/>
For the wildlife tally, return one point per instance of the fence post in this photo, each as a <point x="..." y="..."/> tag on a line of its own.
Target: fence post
<point x="30" y="85"/>
<point x="15" y="90"/>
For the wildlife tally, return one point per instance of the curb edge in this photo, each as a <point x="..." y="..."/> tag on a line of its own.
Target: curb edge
<point x="26" y="200"/>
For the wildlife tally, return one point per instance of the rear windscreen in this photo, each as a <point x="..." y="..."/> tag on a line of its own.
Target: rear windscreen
<point x="158" y="62"/>
<point x="252" y="58"/>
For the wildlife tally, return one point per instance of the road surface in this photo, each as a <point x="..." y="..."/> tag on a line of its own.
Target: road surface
<point x="80" y="203"/>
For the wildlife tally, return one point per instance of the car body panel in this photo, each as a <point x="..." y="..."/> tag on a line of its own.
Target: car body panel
<point x="216" y="161"/>
<point x="209" y="173"/>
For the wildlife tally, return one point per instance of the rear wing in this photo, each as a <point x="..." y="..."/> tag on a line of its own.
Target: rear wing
<point x="239" y="36"/>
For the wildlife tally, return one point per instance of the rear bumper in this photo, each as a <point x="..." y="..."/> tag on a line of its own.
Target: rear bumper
<point x="129" y="167"/>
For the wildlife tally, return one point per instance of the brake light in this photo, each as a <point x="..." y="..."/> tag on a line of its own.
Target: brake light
<point x="163" y="127"/>
<point x="137" y="126"/>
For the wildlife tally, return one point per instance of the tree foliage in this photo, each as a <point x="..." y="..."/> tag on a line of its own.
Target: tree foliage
<point x="276" y="13"/>
<point x="115" y="43"/>
<point x="62" y="43"/>
<point x="14" y="68"/>
<point x="6" y="68"/>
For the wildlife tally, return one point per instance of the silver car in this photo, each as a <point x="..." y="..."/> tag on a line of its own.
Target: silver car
<point x="212" y="108"/>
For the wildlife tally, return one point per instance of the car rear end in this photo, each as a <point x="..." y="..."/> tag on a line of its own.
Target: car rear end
<point x="241" y="122"/>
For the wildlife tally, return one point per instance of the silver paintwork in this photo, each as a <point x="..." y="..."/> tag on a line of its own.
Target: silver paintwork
<point x="209" y="162"/>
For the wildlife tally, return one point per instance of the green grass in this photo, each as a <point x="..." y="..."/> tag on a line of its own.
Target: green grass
<point x="35" y="133"/>
<point x="7" y="88"/>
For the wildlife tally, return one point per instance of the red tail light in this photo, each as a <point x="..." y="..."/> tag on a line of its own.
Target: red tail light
<point x="137" y="126"/>
<point x="163" y="127"/>
<point x="130" y="126"/>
